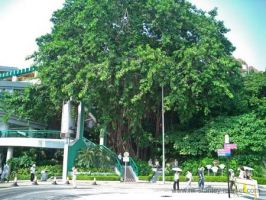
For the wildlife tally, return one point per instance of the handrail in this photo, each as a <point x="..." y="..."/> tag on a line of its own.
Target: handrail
<point x="118" y="164"/>
<point x="89" y="142"/>
<point x="17" y="72"/>
<point x="30" y="133"/>
<point x="134" y="166"/>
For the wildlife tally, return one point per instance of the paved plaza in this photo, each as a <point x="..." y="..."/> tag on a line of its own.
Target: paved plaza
<point x="114" y="190"/>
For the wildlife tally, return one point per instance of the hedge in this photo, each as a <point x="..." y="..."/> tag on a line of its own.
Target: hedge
<point x="195" y="179"/>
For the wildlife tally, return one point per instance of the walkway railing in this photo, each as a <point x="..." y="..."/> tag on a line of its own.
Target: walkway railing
<point x="114" y="156"/>
<point x="52" y="134"/>
<point x="134" y="166"/>
<point x="18" y="72"/>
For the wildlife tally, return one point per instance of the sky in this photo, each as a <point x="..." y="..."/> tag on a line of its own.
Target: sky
<point x="22" y="21"/>
<point x="246" y="20"/>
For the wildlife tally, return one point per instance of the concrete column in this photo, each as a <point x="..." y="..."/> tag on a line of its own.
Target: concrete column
<point x="14" y="78"/>
<point x="65" y="161"/>
<point x="9" y="154"/>
<point x="67" y="123"/>
<point x="35" y="74"/>
<point x="80" y="124"/>
<point x="103" y="137"/>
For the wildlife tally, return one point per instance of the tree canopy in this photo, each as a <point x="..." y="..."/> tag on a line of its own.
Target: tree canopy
<point x="116" y="55"/>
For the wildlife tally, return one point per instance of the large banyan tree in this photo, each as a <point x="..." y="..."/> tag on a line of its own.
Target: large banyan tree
<point x="116" y="55"/>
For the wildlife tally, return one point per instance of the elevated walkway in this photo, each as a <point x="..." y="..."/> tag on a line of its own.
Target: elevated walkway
<point x="17" y="72"/>
<point x="31" y="138"/>
<point x="32" y="142"/>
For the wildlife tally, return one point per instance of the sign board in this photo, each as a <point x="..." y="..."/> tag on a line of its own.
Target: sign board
<point x="126" y="154"/>
<point x="224" y="152"/>
<point x="126" y="159"/>
<point x="230" y="146"/>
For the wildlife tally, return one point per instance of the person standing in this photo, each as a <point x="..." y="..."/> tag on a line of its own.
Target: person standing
<point x="32" y="172"/>
<point x="176" y="181"/>
<point x="74" y="176"/>
<point x="4" y="176"/>
<point x="1" y="171"/>
<point x="242" y="173"/>
<point x="201" y="177"/>
<point x="189" y="179"/>
<point x="232" y="179"/>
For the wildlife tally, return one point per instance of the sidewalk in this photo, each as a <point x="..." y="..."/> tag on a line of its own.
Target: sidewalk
<point x="217" y="189"/>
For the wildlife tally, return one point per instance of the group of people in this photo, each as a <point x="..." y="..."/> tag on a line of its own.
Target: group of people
<point x="4" y="173"/>
<point x="244" y="174"/>
<point x="189" y="179"/>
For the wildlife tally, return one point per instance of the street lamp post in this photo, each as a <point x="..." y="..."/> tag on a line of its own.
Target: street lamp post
<point x="163" y="163"/>
<point x="227" y="141"/>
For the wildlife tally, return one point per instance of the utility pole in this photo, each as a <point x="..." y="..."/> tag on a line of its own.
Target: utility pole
<point x="163" y="164"/>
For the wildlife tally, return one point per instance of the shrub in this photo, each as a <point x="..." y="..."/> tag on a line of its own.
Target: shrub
<point x="144" y="168"/>
<point x="99" y="178"/>
<point x="24" y="173"/>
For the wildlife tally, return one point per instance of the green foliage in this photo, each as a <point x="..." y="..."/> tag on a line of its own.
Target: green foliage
<point x="144" y="168"/>
<point x="207" y="179"/>
<point x="98" y="178"/>
<point x="24" y="161"/>
<point x="33" y="104"/>
<point x="115" y="56"/>
<point x="247" y="131"/>
<point x="95" y="157"/>
<point x="23" y="173"/>
<point x="255" y="91"/>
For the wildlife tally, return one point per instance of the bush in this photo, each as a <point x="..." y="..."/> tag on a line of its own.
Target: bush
<point x="99" y="178"/>
<point x="144" y="168"/>
<point x="24" y="173"/>
<point x="196" y="179"/>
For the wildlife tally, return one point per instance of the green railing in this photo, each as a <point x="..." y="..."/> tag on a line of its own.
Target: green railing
<point x="52" y="134"/>
<point x="134" y="166"/>
<point x="114" y="156"/>
<point x="89" y="143"/>
<point x="18" y="72"/>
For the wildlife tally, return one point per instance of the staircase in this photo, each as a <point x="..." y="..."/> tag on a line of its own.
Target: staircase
<point x="129" y="174"/>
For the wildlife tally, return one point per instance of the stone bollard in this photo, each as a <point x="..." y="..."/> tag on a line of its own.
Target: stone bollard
<point x="54" y="182"/>
<point x="67" y="181"/>
<point x="15" y="184"/>
<point x="35" y="182"/>
<point x="94" y="182"/>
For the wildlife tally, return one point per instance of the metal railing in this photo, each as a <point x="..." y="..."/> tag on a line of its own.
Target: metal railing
<point x="52" y="134"/>
<point x="18" y="72"/>
<point x="114" y="156"/>
<point x="134" y="166"/>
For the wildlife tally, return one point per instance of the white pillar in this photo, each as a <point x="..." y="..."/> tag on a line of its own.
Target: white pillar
<point x="14" y="78"/>
<point x="67" y="120"/>
<point x="101" y="140"/>
<point x="35" y="74"/>
<point x="65" y="161"/>
<point x="9" y="154"/>
<point x="66" y="125"/>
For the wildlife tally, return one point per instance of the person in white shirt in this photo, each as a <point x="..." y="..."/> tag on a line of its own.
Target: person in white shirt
<point x="32" y="172"/>
<point x="176" y="181"/>
<point x="74" y="176"/>
<point x="242" y="173"/>
<point x="189" y="179"/>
